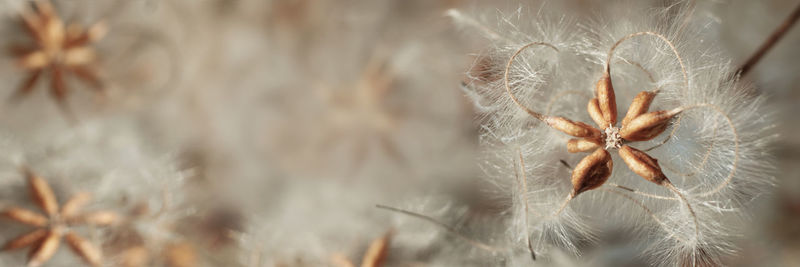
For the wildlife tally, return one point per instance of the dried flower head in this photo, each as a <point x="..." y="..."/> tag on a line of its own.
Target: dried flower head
<point x="694" y="135"/>
<point x="57" y="223"/>
<point x="58" y="49"/>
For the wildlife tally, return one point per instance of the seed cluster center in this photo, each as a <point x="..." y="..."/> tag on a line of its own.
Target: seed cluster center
<point x="613" y="139"/>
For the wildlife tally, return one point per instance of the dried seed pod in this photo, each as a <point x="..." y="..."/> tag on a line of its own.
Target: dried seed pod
<point x="42" y="193"/>
<point x="582" y="145"/>
<point x="573" y="128"/>
<point x="71" y="207"/>
<point x="26" y="239"/>
<point x="35" y="60"/>
<point x="100" y="218"/>
<point x="46" y="249"/>
<point x="596" y="114"/>
<point x="85" y="249"/>
<point x="642" y="164"/>
<point x="607" y="100"/>
<point x="79" y="56"/>
<point x="26" y="216"/>
<point x="377" y="251"/>
<point x="647" y="126"/>
<point x="640" y="105"/>
<point x="591" y="172"/>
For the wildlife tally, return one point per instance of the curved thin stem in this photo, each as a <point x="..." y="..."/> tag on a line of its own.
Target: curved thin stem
<point x="564" y="205"/>
<point x="523" y="193"/>
<point x="450" y="229"/>
<point x="735" y="146"/>
<point x="770" y="42"/>
<point x="705" y="157"/>
<point x="505" y="78"/>
<point x="669" y="43"/>
<point x="649" y="212"/>
<point x="674" y="190"/>
<point x="669" y="137"/>
<point x="735" y="164"/>
<point x="638" y="65"/>
<point x="637" y="192"/>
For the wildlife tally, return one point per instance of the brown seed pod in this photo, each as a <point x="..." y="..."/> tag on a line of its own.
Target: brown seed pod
<point x="26" y="240"/>
<point x="647" y="126"/>
<point x="591" y="172"/>
<point x="607" y="100"/>
<point x="98" y="218"/>
<point x="596" y="114"/>
<point x="74" y="204"/>
<point x="642" y="164"/>
<point x="582" y="145"/>
<point x="640" y="105"/>
<point x="573" y="128"/>
<point x="84" y="249"/>
<point x="42" y="193"/>
<point x="26" y="216"/>
<point x="46" y="249"/>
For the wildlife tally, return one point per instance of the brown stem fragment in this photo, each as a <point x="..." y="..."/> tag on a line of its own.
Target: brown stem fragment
<point x="770" y="42"/>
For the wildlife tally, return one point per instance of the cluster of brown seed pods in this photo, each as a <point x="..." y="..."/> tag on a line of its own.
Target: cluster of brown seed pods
<point x="58" y="49"/>
<point x="58" y="223"/>
<point x="639" y="124"/>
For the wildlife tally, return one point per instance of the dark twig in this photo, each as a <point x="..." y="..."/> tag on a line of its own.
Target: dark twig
<point x="770" y="42"/>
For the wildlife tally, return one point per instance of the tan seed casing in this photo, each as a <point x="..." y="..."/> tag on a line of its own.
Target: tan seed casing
<point x="592" y="171"/>
<point x="640" y="105"/>
<point x="647" y="126"/>
<point x="607" y="100"/>
<point x="642" y="164"/>
<point x="596" y="114"/>
<point x="581" y="145"/>
<point x="573" y="128"/>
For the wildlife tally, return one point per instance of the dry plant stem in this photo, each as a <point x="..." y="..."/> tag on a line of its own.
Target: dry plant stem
<point x="705" y="157"/>
<point x="674" y="190"/>
<point x="564" y="205"/>
<point x="450" y="229"/>
<point x="659" y="36"/>
<point x="523" y="191"/>
<point x="582" y="93"/>
<point x="735" y="144"/>
<point x="770" y="42"/>
<point x="648" y="211"/>
<point x="734" y="166"/>
<point x="508" y="88"/>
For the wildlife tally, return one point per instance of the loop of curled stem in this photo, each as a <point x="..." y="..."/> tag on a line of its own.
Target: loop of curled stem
<point x="505" y="78"/>
<point x="734" y="165"/>
<point x="659" y="36"/>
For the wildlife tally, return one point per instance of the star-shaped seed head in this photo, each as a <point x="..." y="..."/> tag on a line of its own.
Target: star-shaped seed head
<point x="58" y="49"/>
<point x="55" y="224"/>
<point x="639" y="124"/>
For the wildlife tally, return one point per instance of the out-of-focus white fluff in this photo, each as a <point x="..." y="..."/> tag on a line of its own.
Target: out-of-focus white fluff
<point x="718" y="156"/>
